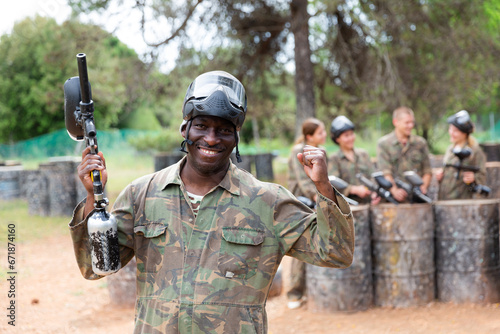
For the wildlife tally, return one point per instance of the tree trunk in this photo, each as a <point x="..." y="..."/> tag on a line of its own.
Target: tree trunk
<point x="304" y="74"/>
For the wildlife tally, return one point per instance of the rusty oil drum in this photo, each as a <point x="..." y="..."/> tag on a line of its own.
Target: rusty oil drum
<point x="467" y="251"/>
<point x="403" y="254"/>
<point x="345" y="290"/>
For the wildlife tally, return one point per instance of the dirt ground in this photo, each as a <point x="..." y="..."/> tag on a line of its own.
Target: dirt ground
<point x="52" y="297"/>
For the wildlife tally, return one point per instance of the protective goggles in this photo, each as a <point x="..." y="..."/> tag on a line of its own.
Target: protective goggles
<point x="341" y="123"/>
<point x="462" y="117"/>
<point x="206" y="84"/>
<point x="462" y="121"/>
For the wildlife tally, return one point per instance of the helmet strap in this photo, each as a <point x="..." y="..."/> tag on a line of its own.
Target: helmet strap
<point x="238" y="156"/>
<point x="186" y="140"/>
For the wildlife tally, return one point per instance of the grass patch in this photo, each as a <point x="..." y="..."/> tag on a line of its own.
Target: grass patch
<point x="29" y="227"/>
<point x="123" y="169"/>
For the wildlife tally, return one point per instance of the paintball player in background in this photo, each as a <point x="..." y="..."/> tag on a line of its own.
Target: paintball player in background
<point x="313" y="134"/>
<point x="208" y="237"/>
<point x="453" y="187"/>
<point x="401" y="151"/>
<point x="348" y="161"/>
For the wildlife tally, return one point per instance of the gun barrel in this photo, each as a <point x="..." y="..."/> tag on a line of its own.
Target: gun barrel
<point x="384" y="193"/>
<point x="338" y="183"/>
<point x="369" y="184"/>
<point x="465" y="168"/>
<point x="84" y="77"/>
<point x="414" y="192"/>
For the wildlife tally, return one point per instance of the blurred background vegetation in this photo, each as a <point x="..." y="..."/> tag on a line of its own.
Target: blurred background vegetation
<point x="296" y="58"/>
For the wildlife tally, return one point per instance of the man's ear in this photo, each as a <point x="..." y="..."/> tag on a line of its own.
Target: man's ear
<point x="182" y="129"/>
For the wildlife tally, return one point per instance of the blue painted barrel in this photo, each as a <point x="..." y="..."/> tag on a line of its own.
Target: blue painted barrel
<point x="10" y="187"/>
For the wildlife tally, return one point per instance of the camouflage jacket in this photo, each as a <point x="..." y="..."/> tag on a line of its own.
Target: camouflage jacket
<point x="298" y="182"/>
<point x="212" y="273"/>
<point x="394" y="159"/>
<point x="340" y="166"/>
<point x="450" y="187"/>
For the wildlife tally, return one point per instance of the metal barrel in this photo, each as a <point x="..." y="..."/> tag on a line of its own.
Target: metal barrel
<point x="246" y="162"/>
<point x="163" y="160"/>
<point x="467" y="251"/>
<point x="264" y="166"/>
<point x="491" y="150"/>
<point x="493" y="178"/>
<point x="62" y="185"/>
<point x="403" y="254"/>
<point x="10" y="182"/>
<point x="122" y="285"/>
<point x="37" y="192"/>
<point x="345" y="290"/>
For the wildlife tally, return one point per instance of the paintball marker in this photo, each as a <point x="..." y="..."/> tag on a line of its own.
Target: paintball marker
<point x="461" y="154"/>
<point x="79" y="120"/>
<point x="381" y="187"/>
<point x="340" y="185"/>
<point x="412" y="188"/>
<point x="310" y="203"/>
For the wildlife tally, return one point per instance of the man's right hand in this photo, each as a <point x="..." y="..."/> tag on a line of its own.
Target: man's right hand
<point x="399" y="194"/>
<point x="89" y="163"/>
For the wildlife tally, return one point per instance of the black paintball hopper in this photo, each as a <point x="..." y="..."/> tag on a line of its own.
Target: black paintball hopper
<point x="72" y="114"/>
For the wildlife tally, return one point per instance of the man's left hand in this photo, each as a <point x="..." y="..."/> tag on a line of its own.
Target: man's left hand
<point x="315" y="165"/>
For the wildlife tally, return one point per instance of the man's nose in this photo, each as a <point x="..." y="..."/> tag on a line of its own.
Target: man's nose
<point x="211" y="137"/>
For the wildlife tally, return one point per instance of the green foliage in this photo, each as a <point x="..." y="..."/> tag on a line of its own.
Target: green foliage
<point x="369" y="57"/>
<point x="165" y="140"/>
<point x="141" y="119"/>
<point x="37" y="58"/>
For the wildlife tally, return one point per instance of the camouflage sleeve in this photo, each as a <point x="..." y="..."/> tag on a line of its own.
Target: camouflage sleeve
<point x="383" y="158"/>
<point x="323" y="238"/>
<point x="304" y="183"/>
<point x="79" y="235"/>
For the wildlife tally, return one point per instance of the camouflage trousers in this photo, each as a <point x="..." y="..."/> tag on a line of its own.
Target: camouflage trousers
<point x="297" y="277"/>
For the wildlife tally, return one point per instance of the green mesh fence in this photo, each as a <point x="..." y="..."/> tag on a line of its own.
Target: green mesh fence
<point x="491" y="134"/>
<point x="59" y="143"/>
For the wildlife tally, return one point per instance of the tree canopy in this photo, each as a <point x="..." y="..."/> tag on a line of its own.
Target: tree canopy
<point x="40" y="55"/>
<point x="296" y="58"/>
<point x="368" y="56"/>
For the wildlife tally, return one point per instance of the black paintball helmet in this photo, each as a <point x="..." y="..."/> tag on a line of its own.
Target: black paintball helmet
<point x="461" y="120"/>
<point x="340" y="125"/>
<point x="216" y="93"/>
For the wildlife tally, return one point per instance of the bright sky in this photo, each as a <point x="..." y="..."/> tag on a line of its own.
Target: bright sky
<point x="17" y="10"/>
<point x="14" y="11"/>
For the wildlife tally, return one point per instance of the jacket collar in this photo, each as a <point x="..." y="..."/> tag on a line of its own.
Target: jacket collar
<point x="172" y="175"/>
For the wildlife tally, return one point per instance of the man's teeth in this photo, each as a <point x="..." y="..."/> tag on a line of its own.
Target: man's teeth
<point x="208" y="152"/>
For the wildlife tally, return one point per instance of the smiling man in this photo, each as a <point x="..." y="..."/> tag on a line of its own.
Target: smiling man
<point x="401" y="151"/>
<point x="209" y="237"/>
